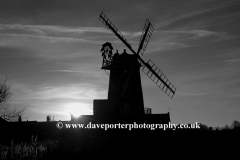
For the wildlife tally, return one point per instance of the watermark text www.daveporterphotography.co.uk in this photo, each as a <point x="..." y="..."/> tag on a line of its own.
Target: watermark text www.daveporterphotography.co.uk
<point x="61" y="125"/>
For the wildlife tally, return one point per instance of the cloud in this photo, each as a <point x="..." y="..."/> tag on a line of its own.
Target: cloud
<point x="191" y="11"/>
<point x="12" y="27"/>
<point x="183" y="37"/>
<point x="172" y="20"/>
<point x="51" y="28"/>
<point x="46" y="99"/>
<point x="35" y="36"/>
<point x="131" y="34"/>
<point x="77" y="91"/>
<point x="195" y="33"/>
<point x="233" y="60"/>
<point x="190" y="34"/>
<point x="74" y="71"/>
<point x="50" y="39"/>
<point x="164" y="46"/>
<point x="45" y="30"/>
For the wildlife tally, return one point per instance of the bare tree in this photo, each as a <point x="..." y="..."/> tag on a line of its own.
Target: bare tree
<point x="5" y="93"/>
<point x="235" y="125"/>
<point x="7" y="111"/>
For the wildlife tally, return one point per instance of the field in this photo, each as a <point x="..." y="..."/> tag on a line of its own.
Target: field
<point x="82" y="145"/>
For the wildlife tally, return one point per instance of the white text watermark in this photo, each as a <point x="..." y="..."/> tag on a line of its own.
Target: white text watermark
<point x="135" y="125"/>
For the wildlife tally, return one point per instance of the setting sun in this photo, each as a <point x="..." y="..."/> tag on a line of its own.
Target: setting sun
<point x="77" y="109"/>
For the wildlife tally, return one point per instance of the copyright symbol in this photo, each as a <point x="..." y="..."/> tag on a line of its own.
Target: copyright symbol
<point x="59" y="125"/>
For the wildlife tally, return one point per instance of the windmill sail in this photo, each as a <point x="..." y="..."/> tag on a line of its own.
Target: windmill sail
<point x="152" y="71"/>
<point x="146" y="35"/>
<point x="103" y="18"/>
<point x="149" y="68"/>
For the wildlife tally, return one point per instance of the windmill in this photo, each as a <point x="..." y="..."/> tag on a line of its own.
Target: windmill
<point x="125" y="91"/>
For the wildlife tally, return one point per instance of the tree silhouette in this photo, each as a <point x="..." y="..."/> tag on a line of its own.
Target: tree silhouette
<point x="235" y="125"/>
<point x="226" y="127"/>
<point x="5" y="93"/>
<point x="7" y="112"/>
<point x="203" y="126"/>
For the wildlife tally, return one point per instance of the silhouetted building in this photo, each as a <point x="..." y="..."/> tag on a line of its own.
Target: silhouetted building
<point x="122" y="106"/>
<point x="125" y="97"/>
<point x="117" y="104"/>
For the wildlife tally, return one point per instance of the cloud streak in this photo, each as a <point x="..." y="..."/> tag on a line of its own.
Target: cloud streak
<point x="50" y="39"/>
<point x="194" y="33"/>
<point x="44" y="30"/>
<point x="74" y="71"/>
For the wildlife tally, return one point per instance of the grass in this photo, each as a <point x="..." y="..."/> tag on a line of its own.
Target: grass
<point x="27" y="150"/>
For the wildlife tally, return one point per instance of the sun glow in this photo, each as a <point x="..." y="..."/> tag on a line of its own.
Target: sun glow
<point x="77" y="109"/>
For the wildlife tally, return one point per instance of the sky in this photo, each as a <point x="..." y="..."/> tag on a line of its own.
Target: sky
<point x="50" y="53"/>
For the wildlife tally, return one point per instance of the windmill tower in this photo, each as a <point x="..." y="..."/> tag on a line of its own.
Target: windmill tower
<point x="125" y="97"/>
